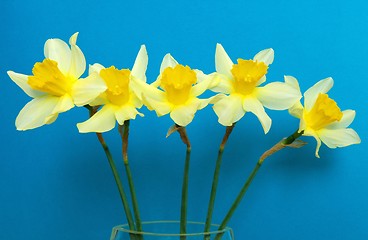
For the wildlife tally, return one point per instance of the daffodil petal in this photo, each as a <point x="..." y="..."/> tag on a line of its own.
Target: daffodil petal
<point x="223" y="62"/>
<point x="35" y="113"/>
<point x="201" y="87"/>
<point x="221" y="83"/>
<point x="278" y="95"/>
<point x="140" y="64"/>
<point x="311" y="133"/>
<point x="95" y="68"/>
<point x="141" y="88"/>
<point x="87" y="89"/>
<point x="296" y="110"/>
<point x="262" y="80"/>
<point x="78" y="62"/>
<point x="22" y="81"/>
<point x="184" y="114"/>
<point x="57" y="50"/>
<point x="292" y="81"/>
<point x="52" y="118"/>
<point x="310" y="96"/>
<point x="64" y="104"/>
<point x="339" y="137"/>
<point x="255" y="106"/>
<point x="265" y="56"/>
<point x="126" y="113"/>
<point x="347" y="118"/>
<point x="102" y="121"/>
<point x="228" y="109"/>
<point x="160" y="106"/>
<point x="168" y="61"/>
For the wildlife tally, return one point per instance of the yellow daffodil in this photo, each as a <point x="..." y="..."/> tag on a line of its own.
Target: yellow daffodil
<point x="241" y="93"/>
<point x="112" y="88"/>
<point x="180" y="86"/>
<point x="322" y="119"/>
<point x="51" y="83"/>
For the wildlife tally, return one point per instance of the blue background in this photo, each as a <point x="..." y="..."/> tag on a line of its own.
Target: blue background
<point x="55" y="182"/>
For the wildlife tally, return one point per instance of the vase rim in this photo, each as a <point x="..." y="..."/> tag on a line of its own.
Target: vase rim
<point x="125" y="228"/>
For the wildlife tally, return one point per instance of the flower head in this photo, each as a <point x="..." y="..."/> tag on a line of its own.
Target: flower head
<point x="51" y="84"/>
<point x="241" y="90"/>
<point x="321" y="118"/>
<point x="179" y="88"/>
<point x="114" y="89"/>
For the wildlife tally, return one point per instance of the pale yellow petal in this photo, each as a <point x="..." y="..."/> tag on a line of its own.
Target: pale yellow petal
<point x="104" y="120"/>
<point x="228" y="109"/>
<point x="347" y="118"/>
<point x="168" y="61"/>
<point x="57" y="50"/>
<point x="296" y="110"/>
<point x="255" y="106"/>
<point x="223" y="62"/>
<point x="221" y="84"/>
<point x="22" y="81"/>
<point x="160" y="106"/>
<point x="95" y="68"/>
<point x="184" y="114"/>
<point x="265" y="56"/>
<point x="140" y="64"/>
<point x="339" y="137"/>
<point x="309" y="132"/>
<point x="126" y="113"/>
<point x="278" y="95"/>
<point x="36" y="113"/>
<point x="64" y="104"/>
<point x="87" y="89"/>
<point x="202" y="86"/>
<point x="78" y="64"/>
<point x="310" y="96"/>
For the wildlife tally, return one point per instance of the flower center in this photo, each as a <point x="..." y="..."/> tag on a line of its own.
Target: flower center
<point x="246" y="75"/>
<point x="177" y="83"/>
<point x="49" y="79"/>
<point x="324" y="112"/>
<point x="117" y="82"/>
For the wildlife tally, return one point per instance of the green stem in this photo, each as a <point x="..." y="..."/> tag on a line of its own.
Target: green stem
<point x="124" y="134"/>
<point x="92" y="111"/>
<point x="215" y="180"/>
<point x="277" y="147"/>
<point x="118" y="182"/>
<point x="184" y="192"/>
<point x="184" y="195"/>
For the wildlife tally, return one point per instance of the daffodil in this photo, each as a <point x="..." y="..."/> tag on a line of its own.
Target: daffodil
<point x="179" y="88"/>
<point x="112" y="88"/>
<point x="241" y="90"/>
<point x="321" y="118"/>
<point x="51" y="84"/>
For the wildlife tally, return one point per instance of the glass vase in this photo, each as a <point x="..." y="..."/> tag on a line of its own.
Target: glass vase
<point x="170" y="230"/>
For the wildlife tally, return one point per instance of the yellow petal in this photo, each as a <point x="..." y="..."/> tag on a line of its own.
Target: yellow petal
<point x="229" y="109"/>
<point x="57" y="50"/>
<point x="87" y="89"/>
<point x="184" y="114"/>
<point x="22" y="81"/>
<point x="36" y="113"/>
<point x="104" y="120"/>
<point x="255" y="106"/>
<point x="126" y="113"/>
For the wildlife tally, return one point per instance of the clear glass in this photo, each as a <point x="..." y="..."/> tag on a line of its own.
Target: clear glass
<point x="169" y="230"/>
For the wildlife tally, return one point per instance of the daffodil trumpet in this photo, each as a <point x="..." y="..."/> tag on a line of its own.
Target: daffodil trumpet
<point x="124" y="133"/>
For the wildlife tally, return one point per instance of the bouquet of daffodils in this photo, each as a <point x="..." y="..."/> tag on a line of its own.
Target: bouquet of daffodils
<point x="114" y="95"/>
